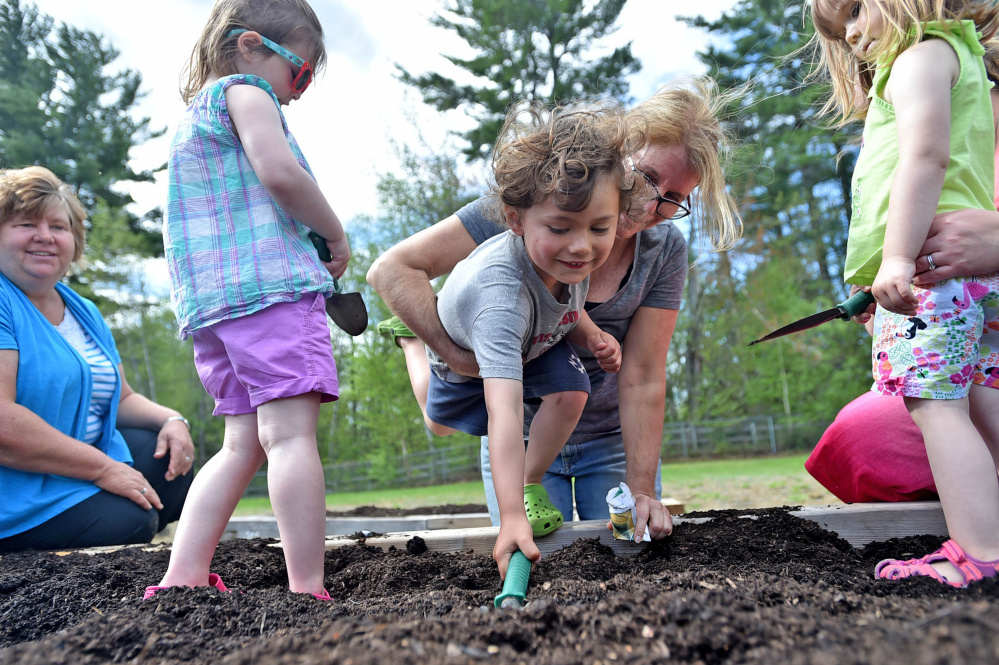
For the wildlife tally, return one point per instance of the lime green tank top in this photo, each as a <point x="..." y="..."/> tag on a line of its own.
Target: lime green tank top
<point x="969" y="180"/>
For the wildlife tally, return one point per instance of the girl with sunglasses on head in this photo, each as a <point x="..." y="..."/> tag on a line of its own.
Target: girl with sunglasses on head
<point x="247" y="284"/>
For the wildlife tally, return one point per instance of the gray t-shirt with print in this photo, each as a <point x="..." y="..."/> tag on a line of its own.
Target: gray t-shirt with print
<point x="495" y="304"/>
<point x="656" y="279"/>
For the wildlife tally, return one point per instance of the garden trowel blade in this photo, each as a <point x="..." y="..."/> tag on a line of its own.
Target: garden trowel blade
<point x="348" y="312"/>
<point x="346" y="309"/>
<point x="848" y="309"/>
<point x="803" y="324"/>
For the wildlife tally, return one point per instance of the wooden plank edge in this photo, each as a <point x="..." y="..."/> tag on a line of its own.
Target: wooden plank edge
<point x="481" y="540"/>
<point x="265" y="526"/>
<point x="863" y="523"/>
<point x="858" y="524"/>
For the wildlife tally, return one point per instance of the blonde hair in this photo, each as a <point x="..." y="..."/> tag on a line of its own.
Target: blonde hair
<point x="282" y="21"/>
<point x="903" y="20"/>
<point x="30" y="192"/>
<point x="563" y="153"/>
<point x="686" y="113"/>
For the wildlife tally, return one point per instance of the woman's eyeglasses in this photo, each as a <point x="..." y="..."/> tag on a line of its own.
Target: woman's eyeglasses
<point x="666" y="207"/>
<point x="304" y="76"/>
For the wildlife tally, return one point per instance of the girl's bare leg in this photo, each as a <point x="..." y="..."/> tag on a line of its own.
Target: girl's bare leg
<point x="295" y="482"/>
<point x="214" y="493"/>
<point x="965" y="475"/>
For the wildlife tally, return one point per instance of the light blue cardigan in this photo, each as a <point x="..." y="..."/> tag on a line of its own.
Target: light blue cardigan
<point x="54" y="382"/>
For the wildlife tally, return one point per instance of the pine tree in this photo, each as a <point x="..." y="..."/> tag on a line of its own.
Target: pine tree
<point x="791" y="177"/>
<point x="62" y="107"/>
<point x="525" y="49"/>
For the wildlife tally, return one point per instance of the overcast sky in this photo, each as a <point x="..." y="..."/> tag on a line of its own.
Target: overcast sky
<point x="346" y="120"/>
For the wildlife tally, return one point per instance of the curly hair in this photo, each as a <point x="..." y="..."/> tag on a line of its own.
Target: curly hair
<point x="281" y="21"/>
<point x="30" y="192"/>
<point x="564" y="153"/>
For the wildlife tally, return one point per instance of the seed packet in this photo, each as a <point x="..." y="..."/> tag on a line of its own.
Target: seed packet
<point x="622" y="513"/>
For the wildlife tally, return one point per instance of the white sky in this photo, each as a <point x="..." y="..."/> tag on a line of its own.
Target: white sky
<point x="348" y="117"/>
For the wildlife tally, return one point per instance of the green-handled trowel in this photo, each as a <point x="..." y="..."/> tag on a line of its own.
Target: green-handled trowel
<point x="846" y="310"/>
<point x="346" y="309"/>
<point x="518" y="572"/>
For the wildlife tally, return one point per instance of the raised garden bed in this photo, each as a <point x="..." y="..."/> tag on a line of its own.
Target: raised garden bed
<point x="761" y="586"/>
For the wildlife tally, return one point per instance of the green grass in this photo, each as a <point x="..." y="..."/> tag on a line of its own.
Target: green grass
<point x="769" y="466"/>
<point x="703" y="485"/>
<point x="408" y="497"/>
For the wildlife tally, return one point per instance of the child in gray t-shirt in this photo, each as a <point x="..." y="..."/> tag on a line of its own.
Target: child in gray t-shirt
<point x="517" y="301"/>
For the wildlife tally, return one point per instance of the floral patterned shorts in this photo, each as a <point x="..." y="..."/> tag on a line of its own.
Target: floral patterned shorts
<point x="950" y="343"/>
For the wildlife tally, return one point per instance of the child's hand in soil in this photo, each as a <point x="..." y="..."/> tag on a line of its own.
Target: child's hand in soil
<point x="514" y="534"/>
<point x="606" y="350"/>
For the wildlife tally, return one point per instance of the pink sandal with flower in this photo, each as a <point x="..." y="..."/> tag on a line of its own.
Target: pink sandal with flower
<point x="214" y="581"/>
<point x="971" y="568"/>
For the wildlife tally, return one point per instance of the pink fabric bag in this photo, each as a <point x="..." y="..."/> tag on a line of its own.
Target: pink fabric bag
<point x="873" y="451"/>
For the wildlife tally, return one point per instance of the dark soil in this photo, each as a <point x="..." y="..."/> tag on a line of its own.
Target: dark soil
<point x="375" y="511"/>
<point x="776" y="589"/>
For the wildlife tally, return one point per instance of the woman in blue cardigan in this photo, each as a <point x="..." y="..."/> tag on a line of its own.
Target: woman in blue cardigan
<point x="68" y="476"/>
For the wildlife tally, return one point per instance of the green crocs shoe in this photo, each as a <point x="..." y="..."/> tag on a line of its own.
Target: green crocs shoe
<point x="393" y="328"/>
<point x="543" y="516"/>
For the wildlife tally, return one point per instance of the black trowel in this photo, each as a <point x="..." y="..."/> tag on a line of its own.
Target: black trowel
<point x="346" y="309"/>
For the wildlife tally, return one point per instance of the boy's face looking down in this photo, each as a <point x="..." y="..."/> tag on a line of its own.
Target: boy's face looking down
<point x="567" y="246"/>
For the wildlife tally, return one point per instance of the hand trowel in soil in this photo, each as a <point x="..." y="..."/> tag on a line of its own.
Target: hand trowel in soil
<point x="515" y="584"/>
<point x="346" y="309"/>
<point x="846" y="310"/>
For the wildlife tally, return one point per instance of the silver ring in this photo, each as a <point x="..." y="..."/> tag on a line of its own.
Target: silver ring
<point x="187" y="459"/>
<point x="142" y="490"/>
<point x="931" y="262"/>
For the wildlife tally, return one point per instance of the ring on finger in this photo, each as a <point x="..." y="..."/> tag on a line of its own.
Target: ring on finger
<point x="187" y="459"/>
<point x="142" y="490"/>
<point x="930" y="261"/>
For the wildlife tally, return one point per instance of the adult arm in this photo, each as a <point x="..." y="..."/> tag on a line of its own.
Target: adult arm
<point x="28" y="443"/>
<point x="136" y="410"/>
<point x="402" y="275"/>
<point x="642" y="400"/>
<point x="963" y="243"/>
<point x="258" y="123"/>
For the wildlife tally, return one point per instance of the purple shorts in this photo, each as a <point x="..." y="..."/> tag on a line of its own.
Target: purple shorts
<point x="281" y="351"/>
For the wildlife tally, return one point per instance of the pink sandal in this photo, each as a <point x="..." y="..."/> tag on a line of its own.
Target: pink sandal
<point x="213" y="581"/>
<point x="971" y="568"/>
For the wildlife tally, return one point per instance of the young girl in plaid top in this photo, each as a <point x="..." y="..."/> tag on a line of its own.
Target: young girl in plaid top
<point x="248" y="286"/>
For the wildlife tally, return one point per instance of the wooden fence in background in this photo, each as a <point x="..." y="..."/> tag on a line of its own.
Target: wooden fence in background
<point x="708" y="439"/>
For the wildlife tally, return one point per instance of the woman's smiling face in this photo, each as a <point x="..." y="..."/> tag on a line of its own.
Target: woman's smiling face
<point x="667" y="168"/>
<point x="35" y="253"/>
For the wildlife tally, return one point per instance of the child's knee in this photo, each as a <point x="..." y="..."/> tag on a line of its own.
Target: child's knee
<point x="567" y="402"/>
<point x="436" y="428"/>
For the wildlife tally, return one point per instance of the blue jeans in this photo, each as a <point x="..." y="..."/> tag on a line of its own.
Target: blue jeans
<point x="597" y="466"/>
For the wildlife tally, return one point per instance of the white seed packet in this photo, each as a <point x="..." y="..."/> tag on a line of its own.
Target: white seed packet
<point x="622" y="514"/>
